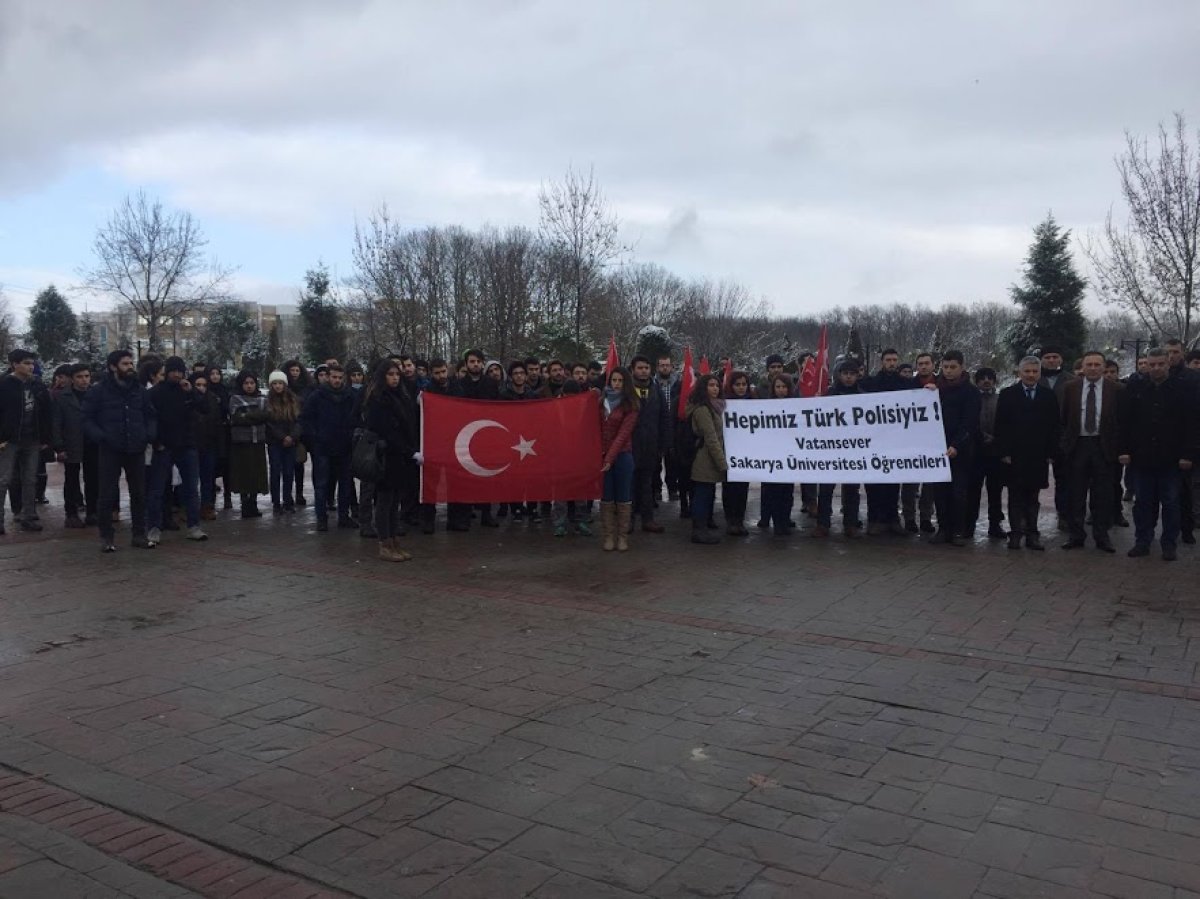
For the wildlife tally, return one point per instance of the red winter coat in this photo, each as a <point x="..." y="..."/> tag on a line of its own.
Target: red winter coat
<point x="616" y="432"/>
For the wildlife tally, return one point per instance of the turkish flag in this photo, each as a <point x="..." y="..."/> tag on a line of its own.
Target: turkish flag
<point x="687" y="380"/>
<point x="814" y="379"/>
<point x="491" y="451"/>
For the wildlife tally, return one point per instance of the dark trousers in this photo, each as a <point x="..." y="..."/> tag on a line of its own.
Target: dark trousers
<point x="1062" y="486"/>
<point x="1156" y="488"/>
<point x="776" y="500"/>
<point x="734" y="497"/>
<point x="670" y="469"/>
<point x="109" y="466"/>
<point x="388" y="523"/>
<point x="988" y="471"/>
<point x="950" y="499"/>
<point x="1088" y="472"/>
<point x="644" y="493"/>
<point x="42" y="477"/>
<point x="881" y="503"/>
<point x="330" y="472"/>
<point x="1187" y="513"/>
<point x="206" y="460"/>
<point x="1023" y="508"/>
<point x="74" y="499"/>
<point x="704" y="497"/>
<point x="850" y="505"/>
<point x="282" y="461"/>
<point x="808" y="495"/>
<point x="1118" y="508"/>
<point x="299" y="466"/>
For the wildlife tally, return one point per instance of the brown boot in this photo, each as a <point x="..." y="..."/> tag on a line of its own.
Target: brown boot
<point x="819" y="531"/>
<point x="399" y="550"/>
<point x="624" y="517"/>
<point x="852" y="532"/>
<point x="608" y="525"/>
<point x="208" y="513"/>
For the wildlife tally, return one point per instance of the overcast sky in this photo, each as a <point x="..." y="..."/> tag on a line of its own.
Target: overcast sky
<point x="819" y="153"/>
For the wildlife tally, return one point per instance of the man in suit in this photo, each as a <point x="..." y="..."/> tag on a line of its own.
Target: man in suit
<point x="1026" y="440"/>
<point x="1158" y="443"/>
<point x="1055" y="377"/>
<point x="1091" y="417"/>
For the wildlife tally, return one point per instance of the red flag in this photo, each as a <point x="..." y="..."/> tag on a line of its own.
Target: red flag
<point x="488" y="451"/>
<point x="814" y="380"/>
<point x="808" y="378"/>
<point x="727" y="374"/>
<point x="687" y="380"/>
<point x="705" y="368"/>
<point x="613" y="360"/>
<point x="823" y="362"/>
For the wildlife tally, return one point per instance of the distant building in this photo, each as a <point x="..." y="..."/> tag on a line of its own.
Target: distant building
<point x="119" y="328"/>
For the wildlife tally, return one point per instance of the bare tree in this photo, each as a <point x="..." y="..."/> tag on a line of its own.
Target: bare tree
<point x="6" y="324"/>
<point x="1149" y="265"/>
<point x="577" y="223"/>
<point x="153" y="259"/>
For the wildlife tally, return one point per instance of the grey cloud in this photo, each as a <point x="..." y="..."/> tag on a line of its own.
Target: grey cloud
<point x="893" y="121"/>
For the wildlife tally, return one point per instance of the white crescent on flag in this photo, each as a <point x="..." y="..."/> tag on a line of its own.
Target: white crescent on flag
<point x="462" y="448"/>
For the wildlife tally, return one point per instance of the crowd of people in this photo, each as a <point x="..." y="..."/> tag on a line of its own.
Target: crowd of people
<point x="175" y="431"/>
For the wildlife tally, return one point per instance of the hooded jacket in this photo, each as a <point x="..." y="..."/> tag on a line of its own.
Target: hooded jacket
<point x="960" y="412"/>
<point x="173" y="408"/>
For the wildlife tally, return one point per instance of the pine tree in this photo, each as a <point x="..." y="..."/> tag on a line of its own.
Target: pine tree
<point x="86" y="347"/>
<point x="274" y="360"/>
<point x="52" y="325"/>
<point x="222" y="339"/>
<point x="1051" y="298"/>
<point x="323" y="335"/>
<point x="854" y="346"/>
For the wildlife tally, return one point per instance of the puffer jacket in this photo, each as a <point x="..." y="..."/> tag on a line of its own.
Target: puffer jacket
<point x="248" y="418"/>
<point x="119" y="416"/>
<point x="328" y="419"/>
<point x="616" y="432"/>
<point x="709" y="466"/>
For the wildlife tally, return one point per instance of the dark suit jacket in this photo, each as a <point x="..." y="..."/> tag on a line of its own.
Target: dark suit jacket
<point x="1111" y="416"/>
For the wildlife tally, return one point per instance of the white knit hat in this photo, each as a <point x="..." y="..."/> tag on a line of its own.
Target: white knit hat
<point x="277" y="376"/>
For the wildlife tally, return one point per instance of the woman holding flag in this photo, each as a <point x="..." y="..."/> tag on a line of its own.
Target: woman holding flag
<point x="618" y="418"/>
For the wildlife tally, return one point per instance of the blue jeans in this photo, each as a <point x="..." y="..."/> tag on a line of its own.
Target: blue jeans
<point x="1154" y="487"/>
<point x="704" y="497"/>
<point x="207" y="465"/>
<point x="282" y="460"/>
<point x="187" y="461"/>
<point x="20" y="461"/>
<point x="850" y="495"/>
<point x="618" y="480"/>
<point x="324" y="468"/>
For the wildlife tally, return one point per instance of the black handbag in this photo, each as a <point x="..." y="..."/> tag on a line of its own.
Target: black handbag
<point x="368" y="458"/>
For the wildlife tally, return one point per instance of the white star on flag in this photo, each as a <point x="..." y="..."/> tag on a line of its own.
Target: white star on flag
<point x="525" y="447"/>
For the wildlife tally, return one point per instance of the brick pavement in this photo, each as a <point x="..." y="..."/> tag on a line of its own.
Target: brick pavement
<point x="276" y="713"/>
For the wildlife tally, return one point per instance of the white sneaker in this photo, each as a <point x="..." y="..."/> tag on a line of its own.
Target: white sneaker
<point x="154" y="535"/>
<point x="194" y="533"/>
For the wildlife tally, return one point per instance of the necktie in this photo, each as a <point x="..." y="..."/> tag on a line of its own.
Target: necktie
<point x="1029" y="392"/>
<point x="1089" y="413"/>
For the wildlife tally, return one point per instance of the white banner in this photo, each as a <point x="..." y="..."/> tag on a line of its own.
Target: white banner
<point x="866" y="438"/>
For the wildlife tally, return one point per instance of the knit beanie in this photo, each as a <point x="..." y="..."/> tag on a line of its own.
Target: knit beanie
<point x="277" y="376"/>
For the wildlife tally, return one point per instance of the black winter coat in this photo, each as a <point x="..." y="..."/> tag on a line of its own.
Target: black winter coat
<point x="173" y="407"/>
<point x="653" y="427"/>
<point x="1159" y="426"/>
<point x="68" y="425"/>
<point x="883" y="381"/>
<point x="960" y="413"/>
<point x="208" y="426"/>
<point x="327" y="420"/>
<point x="119" y="416"/>
<point x="392" y="414"/>
<point x="1027" y="432"/>
<point x="12" y="410"/>
<point x="484" y="388"/>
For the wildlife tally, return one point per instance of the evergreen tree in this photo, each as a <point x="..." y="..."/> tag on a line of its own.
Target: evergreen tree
<point x="274" y="359"/>
<point x="1051" y="298"/>
<point x="224" y="335"/>
<point x="854" y="346"/>
<point x="653" y="342"/>
<point x="86" y="347"/>
<point x="52" y="325"/>
<point x="323" y="334"/>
